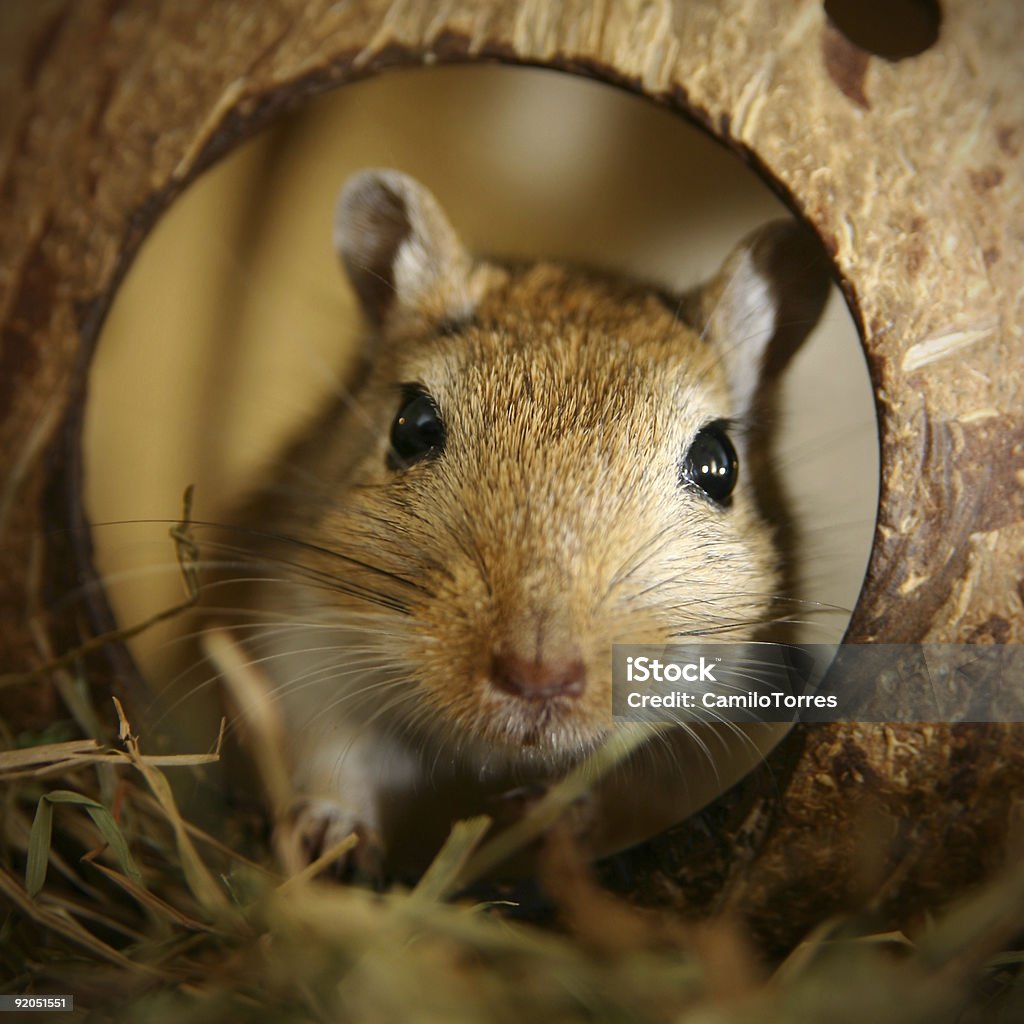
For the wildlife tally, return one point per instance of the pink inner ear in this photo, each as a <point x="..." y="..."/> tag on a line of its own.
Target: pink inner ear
<point x="371" y="223"/>
<point x="398" y="247"/>
<point x="747" y="318"/>
<point x="770" y="294"/>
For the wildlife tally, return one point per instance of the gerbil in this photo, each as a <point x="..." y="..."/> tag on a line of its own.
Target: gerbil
<point x="529" y="463"/>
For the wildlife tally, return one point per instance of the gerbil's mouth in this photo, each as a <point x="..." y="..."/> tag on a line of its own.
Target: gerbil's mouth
<point x="492" y="723"/>
<point x="537" y="732"/>
<point x="553" y="729"/>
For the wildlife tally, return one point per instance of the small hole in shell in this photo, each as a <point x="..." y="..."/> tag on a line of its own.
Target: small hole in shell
<point x="893" y="29"/>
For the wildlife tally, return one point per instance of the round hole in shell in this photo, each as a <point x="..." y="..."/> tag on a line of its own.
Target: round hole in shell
<point x="234" y="323"/>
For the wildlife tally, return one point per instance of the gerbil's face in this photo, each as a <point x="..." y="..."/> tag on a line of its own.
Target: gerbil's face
<point x="538" y="464"/>
<point x="532" y="473"/>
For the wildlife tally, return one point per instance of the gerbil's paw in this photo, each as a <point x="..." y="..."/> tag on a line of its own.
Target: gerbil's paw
<point x="581" y="817"/>
<point x="578" y="819"/>
<point x="508" y="807"/>
<point x="317" y="825"/>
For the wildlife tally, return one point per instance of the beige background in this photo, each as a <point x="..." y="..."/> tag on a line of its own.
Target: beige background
<point x="235" y="317"/>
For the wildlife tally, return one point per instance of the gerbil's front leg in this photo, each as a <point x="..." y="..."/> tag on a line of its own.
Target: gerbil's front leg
<point x="338" y="782"/>
<point x="337" y="771"/>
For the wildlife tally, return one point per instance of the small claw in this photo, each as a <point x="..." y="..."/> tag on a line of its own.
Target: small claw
<point x="316" y="826"/>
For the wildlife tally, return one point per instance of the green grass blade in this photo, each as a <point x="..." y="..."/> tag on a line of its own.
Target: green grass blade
<point x="42" y="828"/>
<point x="39" y="847"/>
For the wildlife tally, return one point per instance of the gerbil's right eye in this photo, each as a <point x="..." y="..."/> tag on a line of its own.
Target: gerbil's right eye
<point x="711" y="464"/>
<point x="417" y="432"/>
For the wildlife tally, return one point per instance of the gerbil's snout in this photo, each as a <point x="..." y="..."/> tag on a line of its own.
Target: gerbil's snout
<point x="538" y="680"/>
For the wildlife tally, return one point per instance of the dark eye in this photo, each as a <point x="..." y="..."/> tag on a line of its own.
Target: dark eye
<point x="417" y="431"/>
<point x="711" y="463"/>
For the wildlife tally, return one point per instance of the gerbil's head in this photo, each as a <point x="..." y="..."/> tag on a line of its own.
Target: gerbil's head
<point x="539" y="462"/>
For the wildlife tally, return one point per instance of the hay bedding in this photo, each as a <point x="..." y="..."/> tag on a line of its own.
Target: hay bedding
<point x="142" y="916"/>
<point x="110" y="895"/>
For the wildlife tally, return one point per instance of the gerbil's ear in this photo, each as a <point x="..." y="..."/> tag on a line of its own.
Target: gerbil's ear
<point x="762" y="304"/>
<point x="399" y="249"/>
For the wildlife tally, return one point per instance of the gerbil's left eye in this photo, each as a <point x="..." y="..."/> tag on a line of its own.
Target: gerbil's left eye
<point x="711" y="463"/>
<point x="417" y="431"/>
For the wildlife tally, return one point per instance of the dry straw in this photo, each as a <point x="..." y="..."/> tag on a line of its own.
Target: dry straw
<point x="109" y="893"/>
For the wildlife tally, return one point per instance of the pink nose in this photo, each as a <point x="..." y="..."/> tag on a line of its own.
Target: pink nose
<point x="534" y="680"/>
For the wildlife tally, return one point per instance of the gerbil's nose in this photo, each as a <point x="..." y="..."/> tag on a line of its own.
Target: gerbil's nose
<point x="537" y="680"/>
